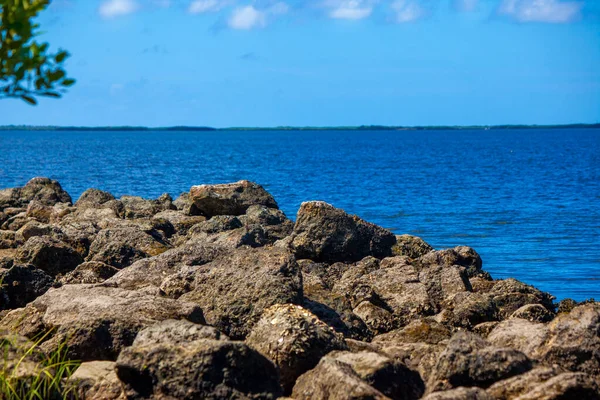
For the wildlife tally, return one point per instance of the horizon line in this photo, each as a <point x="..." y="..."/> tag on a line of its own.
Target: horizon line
<point x="298" y="128"/>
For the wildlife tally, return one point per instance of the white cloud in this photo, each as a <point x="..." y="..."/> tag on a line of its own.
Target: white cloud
<point x="203" y="6"/>
<point x="116" y="8"/>
<point x="350" y="9"/>
<point x="247" y="17"/>
<point x="551" y="11"/>
<point x="250" y="17"/>
<point x="466" y="5"/>
<point x="407" y="10"/>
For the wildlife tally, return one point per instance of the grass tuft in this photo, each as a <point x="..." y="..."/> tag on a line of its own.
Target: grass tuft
<point x="27" y="373"/>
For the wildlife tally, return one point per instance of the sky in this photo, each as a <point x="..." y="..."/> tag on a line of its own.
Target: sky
<point x="233" y="63"/>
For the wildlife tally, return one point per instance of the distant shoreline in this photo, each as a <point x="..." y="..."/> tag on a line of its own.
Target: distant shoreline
<point x="295" y="128"/>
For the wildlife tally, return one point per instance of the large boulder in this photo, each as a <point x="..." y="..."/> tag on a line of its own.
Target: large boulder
<point x="122" y="246"/>
<point x="390" y="377"/>
<point x="509" y="295"/>
<point x="228" y="199"/>
<point x="51" y="255"/>
<point x="154" y="270"/>
<point x="325" y="233"/>
<point x="97" y="380"/>
<point x="294" y="339"/>
<point x="468" y="360"/>
<point x="410" y="246"/>
<point x="273" y="221"/>
<point x="95" y="322"/>
<point x="21" y="284"/>
<point x="89" y="272"/>
<point x="93" y="198"/>
<point x="197" y="369"/>
<point x="547" y="383"/>
<point x="137" y="207"/>
<point x="44" y="190"/>
<point x="461" y="255"/>
<point x="235" y="289"/>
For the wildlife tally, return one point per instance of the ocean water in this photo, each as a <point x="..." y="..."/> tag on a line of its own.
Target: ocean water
<point x="527" y="200"/>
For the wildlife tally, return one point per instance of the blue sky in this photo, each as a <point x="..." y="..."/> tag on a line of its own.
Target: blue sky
<point x="322" y="62"/>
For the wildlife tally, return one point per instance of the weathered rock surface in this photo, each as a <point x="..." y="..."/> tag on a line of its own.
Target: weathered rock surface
<point x="294" y="339"/>
<point x="44" y="190"/>
<point x="21" y="284"/>
<point x="95" y="322"/>
<point x="469" y="360"/>
<point x="49" y="254"/>
<point x="334" y="380"/>
<point x="198" y="369"/>
<point x="235" y="289"/>
<point x="330" y="307"/>
<point x="325" y="233"/>
<point x="228" y="199"/>
<point x="89" y="272"/>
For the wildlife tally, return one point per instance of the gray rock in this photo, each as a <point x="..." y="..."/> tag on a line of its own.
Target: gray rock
<point x="509" y="295"/>
<point x="462" y="256"/>
<point x="48" y="254"/>
<point x="390" y="377"/>
<point x="325" y="233"/>
<point x="235" y="289"/>
<point x="176" y="332"/>
<point x="93" y="198"/>
<point x="200" y="369"/>
<point x="533" y="313"/>
<point x="418" y="331"/>
<point x="89" y="272"/>
<point x="122" y="246"/>
<point x="137" y="207"/>
<point x="95" y="322"/>
<point x="21" y="284"/>
<point x="410" y="246"/>
<point x="228" y="199"/>
<point x="44" y="190"/>
<point x="97" y="380"/>
<point x="471" y="361"/>
<point x="461" y="393"/>
<point x="334" y="380"/>
<point x="294" y="339"/>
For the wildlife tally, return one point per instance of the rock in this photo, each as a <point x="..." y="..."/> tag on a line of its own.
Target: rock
<point x="22" y="284"/>
<point x="15" y="222"/>
<point x="327" y="234"/>
<point x="274" y="222"/>
<point x="39" y="211"/>
<point x="509" y="295"/>
<point x="137" y="207"/>
<point x="180" y="222"/>
<point x="154" y="270"/>
<point x="421" y="357"/>
<point x="93" y="198"/>
<point x="89" y="272"/>
<point x="520" y="334"/>
<point x="419" y="331"/>
<point x="471" y="361"/>
<point x="394" y="286"/>
<point x="183" y="203"/>
<point x="217" y="224"/>
<point x="200" y="369"/>
<point x="228" y="199"/>
<point x="466" y="310"/>
<point x="566" y="306"/>
<point x="8" y="239"/>
<point x="294" y="339"/>
<point x="378" y="319"/>
<point x="44" y="190"/>
<point x="533" y="313"/>
<point x="95" y="322"/>
<point x="122" y="246"/>
<point x="392" y="378"/>
<point x="462" y="256"/>
<point x="34" y="228"/>
<point x="410" y="246"/>
<point x="461" y="393"/>
<point x="235" y="289"/>
<point x="574" y="341"/>
<point x="334" y="380"/>
<point x="485" y="328"/>
<point x="97" y="380"/>
<point x="443" y="282"/>
<point x="48" y="254"/>
<point x="176" y="332"/>
<point x="566" y="386"/>
<point x="516" y="386"/>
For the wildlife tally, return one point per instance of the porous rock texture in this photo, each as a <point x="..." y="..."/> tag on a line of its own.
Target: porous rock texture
<point x="217" y="294"/>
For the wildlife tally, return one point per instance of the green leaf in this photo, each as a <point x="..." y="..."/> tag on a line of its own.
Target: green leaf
<point x="60" y="57"/>
<point x="68" y="82"/>
<point x="29" y="99"/>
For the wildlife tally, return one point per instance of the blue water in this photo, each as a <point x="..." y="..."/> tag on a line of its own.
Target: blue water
<point x="528" y="201"/>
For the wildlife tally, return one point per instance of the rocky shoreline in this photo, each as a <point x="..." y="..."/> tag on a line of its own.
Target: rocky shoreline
<point x="217" y="294"/>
